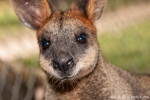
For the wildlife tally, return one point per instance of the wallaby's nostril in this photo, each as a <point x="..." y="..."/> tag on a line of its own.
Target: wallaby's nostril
<point x="63" y="63"/>
<point x="55" y="65"/>
<point x="70" y="63"/>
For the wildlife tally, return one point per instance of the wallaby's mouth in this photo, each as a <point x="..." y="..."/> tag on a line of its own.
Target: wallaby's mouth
<point x="63" y="85"/>
<point x="67" y="78"/>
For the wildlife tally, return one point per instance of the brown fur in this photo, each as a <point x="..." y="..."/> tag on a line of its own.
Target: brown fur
<point x="91" y="77"/>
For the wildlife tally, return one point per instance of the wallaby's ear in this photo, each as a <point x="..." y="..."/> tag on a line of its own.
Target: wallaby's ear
<point x="32" y="13"/>
<point x="91" y="8"/>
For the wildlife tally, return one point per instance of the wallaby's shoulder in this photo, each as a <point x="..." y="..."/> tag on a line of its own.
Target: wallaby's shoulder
<point x="127" y="84"/>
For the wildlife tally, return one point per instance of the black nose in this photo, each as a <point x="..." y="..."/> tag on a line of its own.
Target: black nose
<point x="63" y="62"/>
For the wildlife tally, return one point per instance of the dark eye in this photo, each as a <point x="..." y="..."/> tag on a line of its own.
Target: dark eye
<point x="45" y="44"/>
<point x="82" y="38"/>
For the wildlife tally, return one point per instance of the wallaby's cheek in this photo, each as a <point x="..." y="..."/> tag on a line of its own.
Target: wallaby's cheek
<point x="87" y="63"/>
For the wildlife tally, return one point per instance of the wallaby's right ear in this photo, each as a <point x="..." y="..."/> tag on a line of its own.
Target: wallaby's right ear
<point x="32" y="13"/>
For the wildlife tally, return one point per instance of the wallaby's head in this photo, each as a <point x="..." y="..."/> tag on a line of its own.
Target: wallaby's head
<point x="67" y="40"/>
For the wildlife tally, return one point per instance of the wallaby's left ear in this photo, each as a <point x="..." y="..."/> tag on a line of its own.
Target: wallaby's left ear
<point x="32" y="13"/>
<point x="91" y="8"/>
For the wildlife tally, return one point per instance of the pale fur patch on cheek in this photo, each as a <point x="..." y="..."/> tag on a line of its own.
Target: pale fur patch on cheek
<point x="45" y="65"/>
<point x="87" y="63"/>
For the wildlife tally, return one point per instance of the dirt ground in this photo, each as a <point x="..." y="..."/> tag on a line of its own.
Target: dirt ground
<point x="26" y="45"/>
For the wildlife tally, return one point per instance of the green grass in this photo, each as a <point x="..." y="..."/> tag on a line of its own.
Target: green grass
<point x="115" y="4"/>
<point x="30" y="61"/>
<point x="9" y="23"/>
<point x="7" y="15"/>
<point x="128" y="49"/>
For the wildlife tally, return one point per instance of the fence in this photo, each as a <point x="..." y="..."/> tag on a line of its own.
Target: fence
<point x="21" y="83"/>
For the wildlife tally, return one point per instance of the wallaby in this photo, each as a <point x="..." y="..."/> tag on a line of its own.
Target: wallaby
<point x="70" y="55"/>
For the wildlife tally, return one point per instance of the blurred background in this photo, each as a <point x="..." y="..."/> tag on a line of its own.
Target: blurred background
<point x="123" y="34"/>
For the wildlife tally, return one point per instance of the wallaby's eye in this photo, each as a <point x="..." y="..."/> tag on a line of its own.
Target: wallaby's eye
<point x="45" y="44"/>
<point x="82" y="38"/>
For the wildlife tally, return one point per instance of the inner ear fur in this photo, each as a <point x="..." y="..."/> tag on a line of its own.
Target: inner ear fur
<point x="32" y="13"/>
<point x="91" y="8"/>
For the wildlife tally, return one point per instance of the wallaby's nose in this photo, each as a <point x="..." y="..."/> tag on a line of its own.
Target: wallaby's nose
<point x="63" y="62"/>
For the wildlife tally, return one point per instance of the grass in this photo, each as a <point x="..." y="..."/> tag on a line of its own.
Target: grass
<point x="30" y="61"/>
<point x="115" y="4"/>
<point x="128" y="49"/>
<point x="7" y="15"/>
<point x="9" y="23"/>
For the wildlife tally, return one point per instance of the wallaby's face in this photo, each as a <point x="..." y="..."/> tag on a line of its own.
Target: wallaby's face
<point x="71" y="48"/>
<point x="67" y="40"/>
